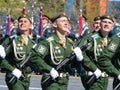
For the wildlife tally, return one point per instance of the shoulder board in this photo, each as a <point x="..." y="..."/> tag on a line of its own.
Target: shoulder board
<point x="13" y="36"/>
<point x="86" y="27"/>
<point x="50" y="39"/>
<point x="95" y="36"/>
<point x="70" y="40"/>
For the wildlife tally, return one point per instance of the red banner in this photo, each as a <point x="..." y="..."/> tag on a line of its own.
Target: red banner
<point x="24" y="11"/>
<point x="102" y="7"/>
<point x="80" y="25"/>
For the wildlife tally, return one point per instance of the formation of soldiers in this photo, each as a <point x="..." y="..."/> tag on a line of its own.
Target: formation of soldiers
<point x="21" y="54"/>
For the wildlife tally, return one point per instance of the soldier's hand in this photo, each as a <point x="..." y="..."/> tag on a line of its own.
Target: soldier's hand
<point x="16" y="72"/>
<point x="78" y="54"/>
<point x="98" y="73"/>
<point x="2" y="52"/>
<point x="54" y="74"/>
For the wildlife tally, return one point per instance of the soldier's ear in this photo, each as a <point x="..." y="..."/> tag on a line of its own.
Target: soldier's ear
<point x="31" y="26"/>
<point x="113" y="26"/>
<point x="54" y="24"/>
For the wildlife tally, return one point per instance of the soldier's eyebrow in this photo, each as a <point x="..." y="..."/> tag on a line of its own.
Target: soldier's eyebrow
<point x="104" y="21"/>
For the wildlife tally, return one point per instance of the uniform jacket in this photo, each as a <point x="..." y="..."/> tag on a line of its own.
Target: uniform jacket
<point x="16" y="54"/>
<point x="50" y="52"/>
<point x="93" y="55"/>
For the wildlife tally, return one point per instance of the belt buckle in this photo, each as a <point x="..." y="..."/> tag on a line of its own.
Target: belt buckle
<point x="62" y="74"/>
<point x="29" y="75"/>
<point x="104" y="74"/>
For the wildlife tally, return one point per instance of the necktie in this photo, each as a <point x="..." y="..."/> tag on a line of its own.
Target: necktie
<point x="104" y="42"/>
<point x="63" y="43"/>
<point x="24" y="40"/>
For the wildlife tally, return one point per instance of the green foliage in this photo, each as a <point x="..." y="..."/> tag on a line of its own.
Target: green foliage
<point x="11" y="7"/>
<point x="14" y="7"/>
<point x="52" y="7"/>
<point x="92" y="11"/>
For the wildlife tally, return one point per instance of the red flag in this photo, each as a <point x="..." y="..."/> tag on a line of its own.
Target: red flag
<point x="102" y="7"/>
<point x="80" y="25"/>
<point x="24" y="11"/>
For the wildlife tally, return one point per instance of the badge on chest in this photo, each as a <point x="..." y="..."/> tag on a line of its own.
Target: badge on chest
<point x="56" y="54"/>
<point x="57" y="50"/>
<point x="19" y="51"/>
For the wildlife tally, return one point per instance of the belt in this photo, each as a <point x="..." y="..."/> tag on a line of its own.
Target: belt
<point x="62" y="74"/>
<point x="27" y="75"/>
<point x="104" y="74"/>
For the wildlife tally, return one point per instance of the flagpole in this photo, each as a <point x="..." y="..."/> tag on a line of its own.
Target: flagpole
<point x="40" y="31"/>
<point x="80" y="18"/>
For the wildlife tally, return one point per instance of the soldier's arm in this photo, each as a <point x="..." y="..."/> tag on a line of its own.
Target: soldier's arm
<point x="4" y="61"/>
<point x="5" y="65"/>
<point x="37" y="59"/>
<point x="87" y="62"/>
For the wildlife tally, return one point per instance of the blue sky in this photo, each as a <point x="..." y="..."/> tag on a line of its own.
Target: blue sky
<point x="114" y="0"/>
<point x="69" y="6"/>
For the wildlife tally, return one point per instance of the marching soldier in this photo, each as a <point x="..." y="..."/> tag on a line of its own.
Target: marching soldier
<point x="96" y="24"/>
<point x="85" y="28"/>
<point x="116" y="28"/>
<point x="16" y="53"/>
<point x="92" y="64"/>
<point x="53" y="51"/>
<point x="47" y="26"/>
<point x="14" y="28"/>
<point x="111" y="54"/>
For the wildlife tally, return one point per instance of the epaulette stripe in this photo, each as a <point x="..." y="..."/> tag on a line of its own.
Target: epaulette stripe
<point x="50" y="39"/>
<point x="95" y="36"/>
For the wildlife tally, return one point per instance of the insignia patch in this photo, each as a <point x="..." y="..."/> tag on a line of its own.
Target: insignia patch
<point x="112" y="46"/>
<point x="41" y="49"/>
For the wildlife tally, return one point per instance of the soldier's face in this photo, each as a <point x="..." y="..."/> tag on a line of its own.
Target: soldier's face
<point x="24" y="24"/>
<point x="107" y="25"/>
<point x="62" y="24"/>
<point x="44" y="21"/>
<point x="96" y="25"/>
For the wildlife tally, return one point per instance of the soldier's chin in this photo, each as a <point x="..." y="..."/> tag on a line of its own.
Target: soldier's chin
<point x="66" y="30"/>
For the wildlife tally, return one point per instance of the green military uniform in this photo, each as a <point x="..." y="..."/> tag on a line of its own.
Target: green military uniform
<point x="93" y="59"/>
<point x="112" y="53"/>
<point x="54" y="51"/>
<point x="48" y="30"/>
<point x="90" y="61"/>
<point x="14" y="31"/>
<point x="16" y="54"/>
<point x="99" y="59"/>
